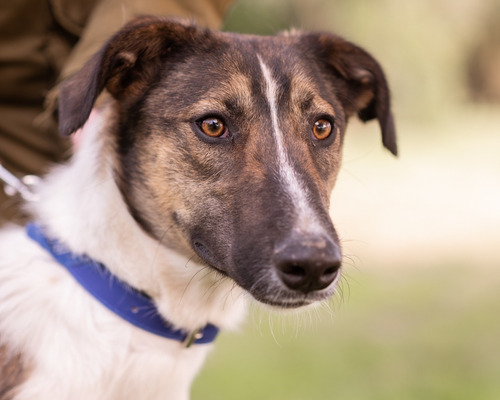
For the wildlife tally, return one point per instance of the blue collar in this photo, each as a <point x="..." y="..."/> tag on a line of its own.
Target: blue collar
<point x="130" y="304"/>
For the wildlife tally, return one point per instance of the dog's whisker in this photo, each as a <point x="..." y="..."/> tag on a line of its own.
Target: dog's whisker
<point x="340" y="292"/>
<point x="271" y="323"/>
<point x="193" y="277"/>
<point x="213" y="288"/>
<point x="156" y="255"/>
<point x="327" y="306"/>
<point x="230" y="295"/>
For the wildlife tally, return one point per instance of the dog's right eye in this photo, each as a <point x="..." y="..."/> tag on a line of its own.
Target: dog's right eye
<point x="212" y="127"/>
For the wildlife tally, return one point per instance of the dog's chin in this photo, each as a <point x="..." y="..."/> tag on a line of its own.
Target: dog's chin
<point x="288" y="304"/>
<point x="289" y="301"/>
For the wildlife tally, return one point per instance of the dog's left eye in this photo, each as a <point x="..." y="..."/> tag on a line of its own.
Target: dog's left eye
<point x="322" y="129"/>
<point x="212" y="127"/>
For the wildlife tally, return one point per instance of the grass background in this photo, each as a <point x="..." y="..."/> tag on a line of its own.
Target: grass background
<point x="418" y="335"/>
<point x="418" y="313"/>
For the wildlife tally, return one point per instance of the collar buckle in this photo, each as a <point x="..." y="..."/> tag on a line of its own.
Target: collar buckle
<point x="192" y="337"/>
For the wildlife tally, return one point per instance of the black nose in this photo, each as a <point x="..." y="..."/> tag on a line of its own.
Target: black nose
<point x="308" y="263"/>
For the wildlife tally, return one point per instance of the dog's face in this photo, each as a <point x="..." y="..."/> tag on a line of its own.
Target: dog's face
<point x="228" y="145"/>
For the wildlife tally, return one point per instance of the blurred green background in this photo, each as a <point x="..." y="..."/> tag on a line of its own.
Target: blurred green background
<point x="418" y="312"/>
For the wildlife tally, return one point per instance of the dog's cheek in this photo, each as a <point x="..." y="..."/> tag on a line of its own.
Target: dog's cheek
<point x="143" y="182"/>
<point x="174" y="186"/>
<point x="328" y="164"/>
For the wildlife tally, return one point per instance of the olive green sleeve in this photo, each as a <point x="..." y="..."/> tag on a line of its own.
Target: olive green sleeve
<point x="107" y="16"/>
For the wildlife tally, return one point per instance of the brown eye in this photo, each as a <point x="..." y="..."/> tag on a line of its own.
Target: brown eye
<point x="322" y="128"/>
<point x="213" y="127"/>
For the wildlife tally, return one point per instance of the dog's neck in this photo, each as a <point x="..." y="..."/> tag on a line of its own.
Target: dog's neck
<point x="101" y="227"/>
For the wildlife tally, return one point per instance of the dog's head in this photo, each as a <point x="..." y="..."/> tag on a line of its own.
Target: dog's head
<point x="228" y="145"/>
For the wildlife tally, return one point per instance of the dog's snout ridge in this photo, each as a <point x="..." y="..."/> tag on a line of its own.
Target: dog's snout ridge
<point x="307" y="264"/>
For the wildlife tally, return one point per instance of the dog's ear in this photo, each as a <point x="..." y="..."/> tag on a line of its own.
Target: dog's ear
<point x="126" y="66"/>
<point x="359" y="81"/>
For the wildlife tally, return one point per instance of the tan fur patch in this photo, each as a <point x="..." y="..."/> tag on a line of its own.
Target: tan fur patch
<point x="13" y="373"/>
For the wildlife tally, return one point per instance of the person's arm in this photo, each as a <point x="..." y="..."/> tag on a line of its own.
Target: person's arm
<point x="110" y="15"/>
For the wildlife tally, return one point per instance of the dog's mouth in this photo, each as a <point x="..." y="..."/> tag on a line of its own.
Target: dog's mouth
<point x="286" y="303"/>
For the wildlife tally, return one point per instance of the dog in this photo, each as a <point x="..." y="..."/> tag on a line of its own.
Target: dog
<point x="201" y="180"/>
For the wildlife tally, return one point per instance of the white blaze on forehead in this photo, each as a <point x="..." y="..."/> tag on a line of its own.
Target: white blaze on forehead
<point x="306" y="217"/>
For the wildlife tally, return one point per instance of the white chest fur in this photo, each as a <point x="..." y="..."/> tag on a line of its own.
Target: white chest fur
<point x="74" y="346"/>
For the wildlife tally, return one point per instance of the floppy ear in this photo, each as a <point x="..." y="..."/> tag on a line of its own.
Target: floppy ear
<point x="126" y="66"/>
<point x="359" y="81"/>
